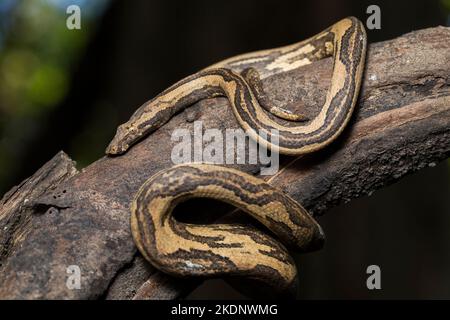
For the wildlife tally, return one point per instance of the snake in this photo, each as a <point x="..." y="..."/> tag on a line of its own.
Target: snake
<point x="237" y="252"/>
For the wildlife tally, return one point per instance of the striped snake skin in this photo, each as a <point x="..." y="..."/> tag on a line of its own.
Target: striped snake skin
<point x="238" y="251"/>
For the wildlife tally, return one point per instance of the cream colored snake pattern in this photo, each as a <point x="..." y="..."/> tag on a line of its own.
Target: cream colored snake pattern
<point x="231" y="251"/>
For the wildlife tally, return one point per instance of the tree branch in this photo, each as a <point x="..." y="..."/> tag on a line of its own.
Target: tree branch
<point x="401" y="124"/>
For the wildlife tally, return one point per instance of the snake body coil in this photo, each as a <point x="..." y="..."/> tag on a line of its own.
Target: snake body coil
<point x="235" y="250"/>
<point x="218" y="250"/>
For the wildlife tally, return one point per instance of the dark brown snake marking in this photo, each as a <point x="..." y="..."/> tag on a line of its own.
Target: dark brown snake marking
<point x="234" y="250"/>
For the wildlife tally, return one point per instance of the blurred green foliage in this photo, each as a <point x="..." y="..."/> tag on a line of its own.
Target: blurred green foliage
<point x="446" y="4"/>
<point x="38" y="54"/>
<point x="37" y="58"/>
<point x="446" y="8"/>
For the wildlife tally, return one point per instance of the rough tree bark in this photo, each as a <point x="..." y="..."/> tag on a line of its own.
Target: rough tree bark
<point x="61" y="217"/>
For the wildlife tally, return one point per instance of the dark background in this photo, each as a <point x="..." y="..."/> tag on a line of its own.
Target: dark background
<point x="68" y="90"/>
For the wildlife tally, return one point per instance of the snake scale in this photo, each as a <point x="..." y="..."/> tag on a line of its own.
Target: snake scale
<point x="229" y="250"/>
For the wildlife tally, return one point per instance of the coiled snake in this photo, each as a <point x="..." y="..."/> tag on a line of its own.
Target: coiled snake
<point x="221" y="250"/>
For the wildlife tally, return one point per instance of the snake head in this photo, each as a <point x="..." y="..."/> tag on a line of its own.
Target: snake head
<point x="126" y="135"/>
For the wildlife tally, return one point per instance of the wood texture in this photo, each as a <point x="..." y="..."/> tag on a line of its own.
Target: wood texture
<point x="401" y="124"/>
